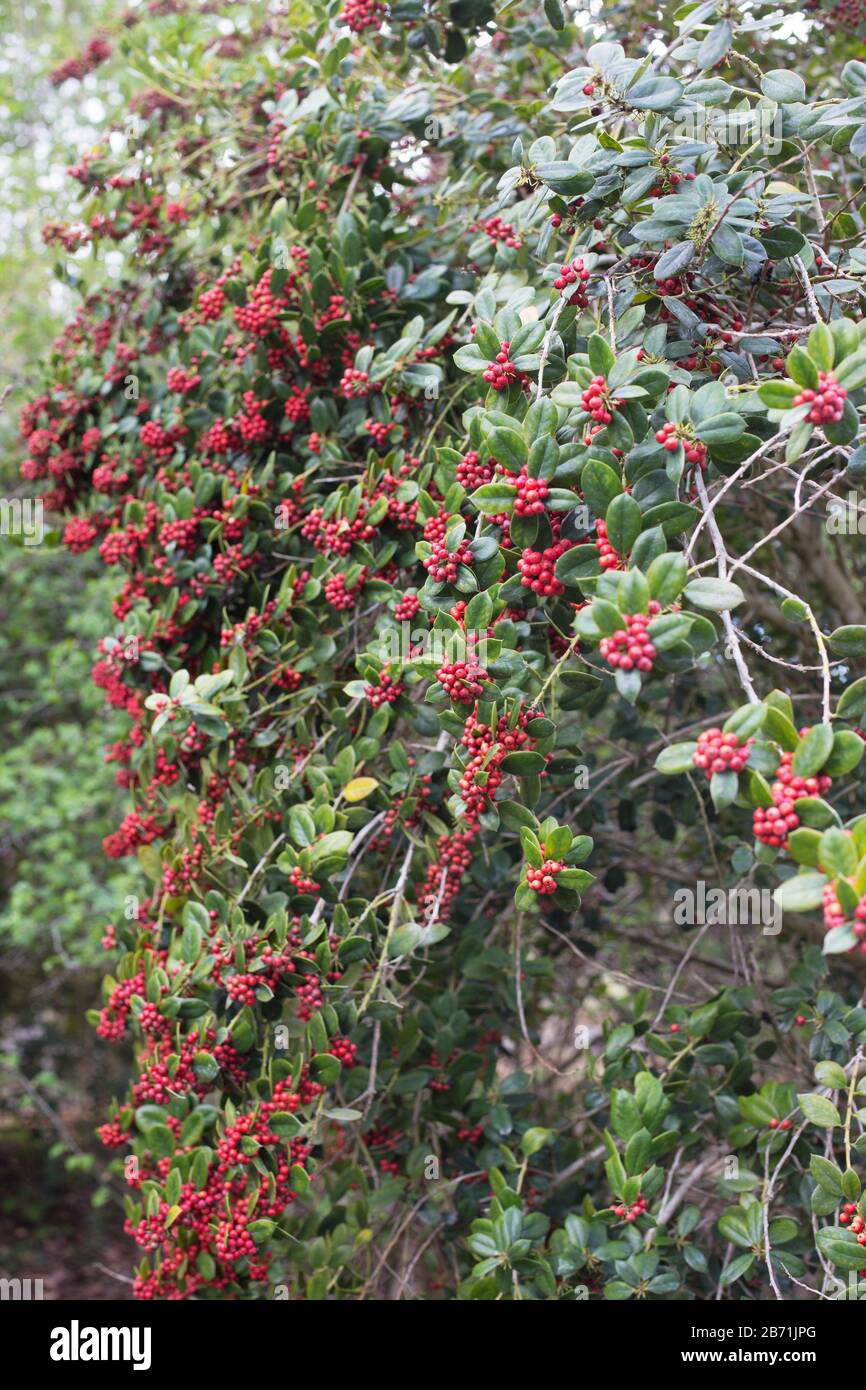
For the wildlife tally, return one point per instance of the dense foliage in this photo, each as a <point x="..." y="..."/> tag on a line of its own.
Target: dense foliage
<point x="470" y="428"/>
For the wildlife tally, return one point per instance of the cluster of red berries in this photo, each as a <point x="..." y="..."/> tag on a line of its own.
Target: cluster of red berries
<point x="543" y="879"/>
<point x="607" y="556"/>
<point x="631" y="1213"/>
<point x="96" y="52"/>
<point x="850" y="1216"/>
<point x="339" y="596"/>
<point x="363" y="14"/>
<point x="537" y="569"/>
<point x="531" y="493"/>
<point x="385" y="693"/>
<point x="671" y="435"/>
<point x="502" y="371"/>
<point x="596" y="401"/>
<point x="720" y="752"/>
<point x="462" y="681"/>
<point x="300" y="882"/>
<point x="630" y="648"/>
<point x="379" y="430"/>
<point x="779" y="1124"/>
<point x="472" y="473"/>
<point x="844" y="18"/>
<point x="497" y="230"/>
<point x="772" y="824"/>
<point x="262" y="310"/>
<point x="442" y="564"/>
<point x="827" y="403"/>
<point x="571" y="274"/>
<point x="834" y="915"/>
<point x="355" y="383"/>
<point x="669" y="179"/>
<point x="487" y="747"/>
<point x="345" y="1052"/>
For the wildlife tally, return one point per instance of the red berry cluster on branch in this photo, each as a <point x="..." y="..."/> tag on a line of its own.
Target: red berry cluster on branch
<point x="630" y="647"/>
<point x="531" y="493"/>
<point x="596" y="400"/>
<point x="772" y="824"/>
<point x="607" y="556"/>
<point x="575" y="273"/>
<point x="720" y="752"/>
<point x="672" y="435"/>
<point x="462" y="681"/>
<point x="543" y="880"/>
<point x="364" y="14"/>
<point x="827" y="403"/>
<point x="502" y="371"/>
<point x="537" y="569"/>
<point x="632" y="1212"/>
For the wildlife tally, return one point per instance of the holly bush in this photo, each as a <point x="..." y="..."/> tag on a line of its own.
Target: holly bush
<point x="468" y="404"/>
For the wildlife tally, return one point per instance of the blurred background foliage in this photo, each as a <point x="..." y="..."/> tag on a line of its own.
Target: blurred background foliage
<point x="58" y="795"/>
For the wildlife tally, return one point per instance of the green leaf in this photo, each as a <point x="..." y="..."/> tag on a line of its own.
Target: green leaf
<point x="802" y="893"/>
<point x="852" y="372"/>
<point x="822" y="348"/>
<point x="601" y="357"/>
<point x="607" y="618"/>
<point x="736" y="1269"/>
<point x="564" y="177"/>
<point x="677" y="757"/>
<point x="783" y="85"/>
<point x="721" y="429"/>
<point x="470" y="358"/>
<point x="654" y="94"/>
<point x="718" y="595"/>
<point x="802" y="369"/>
<point x="848" y="641"/>
<point x="535" y="1139"/>
<point x="782" y="1229"/>
<point x="492" y="498"/>
<point x="623" y="521"/>
<point x="846" y="753"/>
<point x="840" y="1247"/>
<point x="191" y="940"/>
<point x="523" y="764"/>
<point x="555" y="14"/>
<point x="819" y="1110"/>
<point x="839" y="940"/>
<point x="508" y="447"/>
<point x="734" y="1226"/>
<point x="625" y="1116"/>
<point x="852" y="702"/>
<point x="600" y="485"/>
<point x="632" y="592"/>
<point x="302" y="827"/>
<point x="337" y="842"/>
<point x="831" y="1074"/>
<point x="777" y="395"/>
<point x="674" y="261"/>
<point x="746" y="720"/>
<point x="781" y="241"/>
<point x="715" y="45"/>
<point x="666" y="577"/>
<point x="826" y="1174"/>
<point x="325" y="1068"/>
<point x="723" y="789"/>
<point x="812" y="751"/>
<point x="838" y="853"/>
<point x="487" y="339"/>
